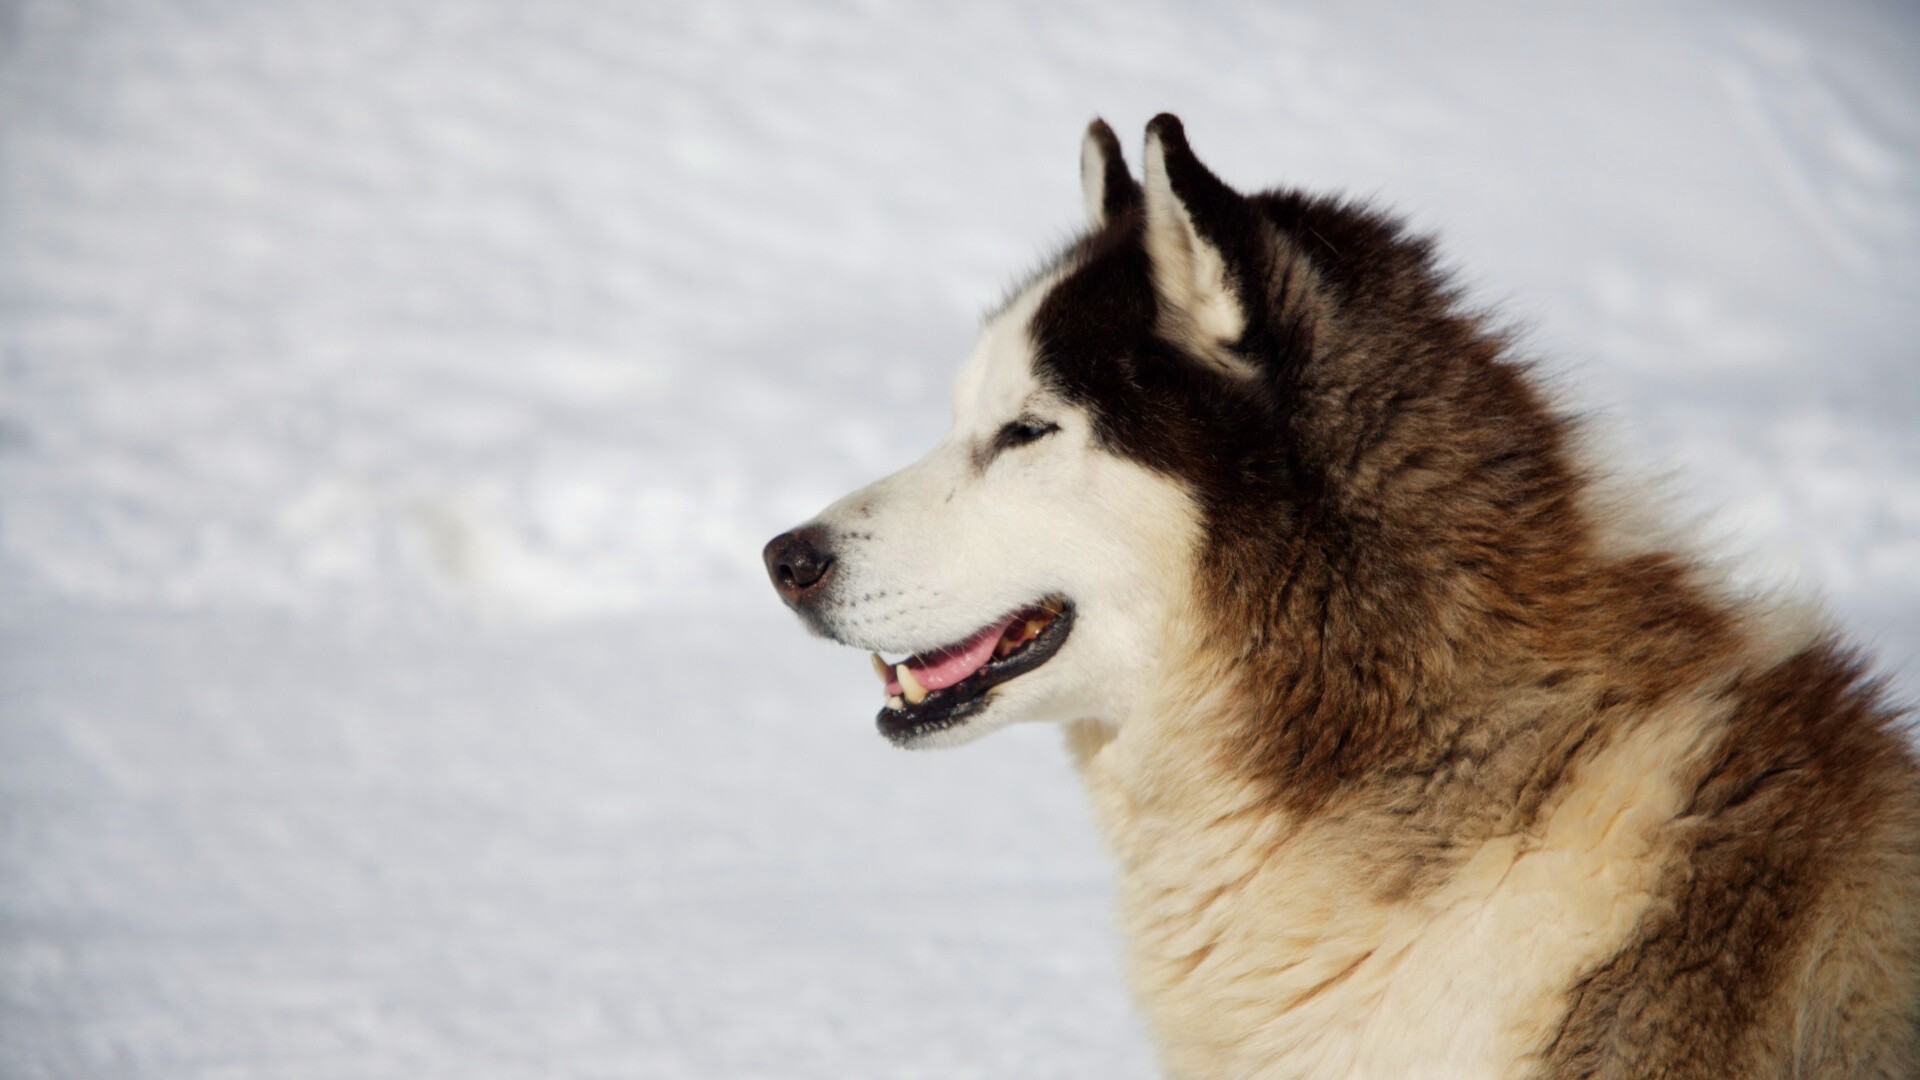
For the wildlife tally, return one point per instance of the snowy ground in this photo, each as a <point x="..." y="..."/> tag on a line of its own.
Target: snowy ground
<point x="394" y="397"/>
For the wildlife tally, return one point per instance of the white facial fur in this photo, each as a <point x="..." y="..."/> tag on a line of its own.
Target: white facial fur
<point x="931" y="554"/>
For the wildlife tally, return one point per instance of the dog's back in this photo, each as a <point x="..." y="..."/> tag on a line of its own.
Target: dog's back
<point x="1784" y="939"/>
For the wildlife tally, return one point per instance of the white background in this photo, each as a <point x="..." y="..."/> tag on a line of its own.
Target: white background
<point x="394" y="398"/>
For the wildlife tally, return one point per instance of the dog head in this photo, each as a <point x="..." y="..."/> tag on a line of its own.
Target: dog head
<point x="1126" y="436"/>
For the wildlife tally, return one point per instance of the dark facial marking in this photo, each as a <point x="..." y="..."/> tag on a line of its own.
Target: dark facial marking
<point x="1097" y="344"/>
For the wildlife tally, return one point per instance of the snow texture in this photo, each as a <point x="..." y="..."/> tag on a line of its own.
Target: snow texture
<point x="394" y="398"/>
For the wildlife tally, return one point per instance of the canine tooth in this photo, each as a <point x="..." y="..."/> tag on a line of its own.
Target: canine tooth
<point x="895" y="703"/>
<point x="1034" y="626"/>
<point x="1053" y="607"/>
<point x="909" y="685"/>
<point x="881" y="669"/>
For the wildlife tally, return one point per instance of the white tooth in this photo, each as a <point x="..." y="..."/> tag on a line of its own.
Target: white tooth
<point x="909" y="685"/>
<point x="881" y="669"/>
<point x="895" y="703"/>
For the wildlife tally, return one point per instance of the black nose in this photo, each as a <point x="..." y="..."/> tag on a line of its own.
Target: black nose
<point x="797" y="564"/>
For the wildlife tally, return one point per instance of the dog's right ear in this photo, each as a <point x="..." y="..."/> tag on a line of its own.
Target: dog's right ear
<point x="1204" y="270"/>
<point x="1105" y="183"/>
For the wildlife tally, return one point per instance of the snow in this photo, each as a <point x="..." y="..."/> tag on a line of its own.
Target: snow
<point x="394" y="397"/>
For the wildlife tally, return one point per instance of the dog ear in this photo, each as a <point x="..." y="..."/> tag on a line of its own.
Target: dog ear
<point x="1105" y="183"/>
<point x="1201" y="240"/>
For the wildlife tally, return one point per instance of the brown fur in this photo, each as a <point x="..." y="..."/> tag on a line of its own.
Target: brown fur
<point x="1430" y="633"/>
<point x="1794" y="913"/>
<point x="1415" y="761"/>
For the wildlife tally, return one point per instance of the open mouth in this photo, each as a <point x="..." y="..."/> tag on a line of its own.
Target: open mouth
<point x="941" y="688"/>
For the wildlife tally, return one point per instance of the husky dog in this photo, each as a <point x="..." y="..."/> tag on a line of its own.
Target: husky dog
<point x="1417" y="759"/>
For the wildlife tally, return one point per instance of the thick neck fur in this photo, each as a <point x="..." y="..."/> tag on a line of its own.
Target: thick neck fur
<point x="1380" y="694"/>
<point x="1431" y="575"/>
<point x="1313" y="847"/>
<point x="1442" y="771"/>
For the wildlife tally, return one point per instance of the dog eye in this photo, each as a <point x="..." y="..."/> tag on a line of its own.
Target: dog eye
<point x="1024" y="431"/>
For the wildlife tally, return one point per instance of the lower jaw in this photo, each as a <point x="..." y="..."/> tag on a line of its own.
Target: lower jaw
<point x="958" y="704"/>
<point x="904" y="728"/>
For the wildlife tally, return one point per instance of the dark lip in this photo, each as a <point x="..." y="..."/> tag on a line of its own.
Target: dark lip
<point x="953" y="706"/>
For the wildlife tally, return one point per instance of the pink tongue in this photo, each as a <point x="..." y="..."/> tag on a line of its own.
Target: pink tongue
<point x="942" y="669"/>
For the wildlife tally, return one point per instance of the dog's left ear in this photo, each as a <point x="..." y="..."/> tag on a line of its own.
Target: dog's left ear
<point x="1105" y="183"/>
<point x="1202" y="240"/>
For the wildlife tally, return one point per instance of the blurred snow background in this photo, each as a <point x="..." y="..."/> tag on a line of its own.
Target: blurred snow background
<point x="394" y="397"/>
